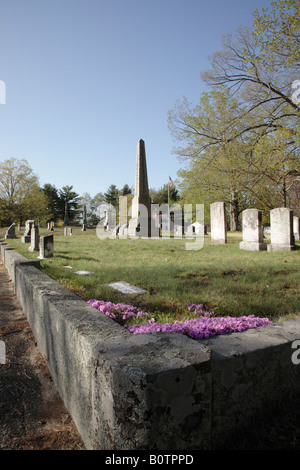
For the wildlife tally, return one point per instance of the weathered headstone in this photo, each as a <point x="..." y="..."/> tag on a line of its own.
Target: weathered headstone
<point x="123" y="210"/>
<point x="34" y="246"/>
<point x="116" y="230"/>
<point x="178" y="231"/>
<point x="296" y="227"/>
<point x="282" y="236"/>
<point x="27" y="233"/>
<point x="68" y="231"/>
<point x="11" y="231"/>
<point x="50" y="226"/>
<point x="140" y="223"/>
<point x="46" y="246"/>
<point x="252" y="231"/>
<point x="126" y="288"/>
<point x="218" y="222"/>
<point x="109" y="222"/>
<point x="84" y="273"/>
<point x="123" y="230"/>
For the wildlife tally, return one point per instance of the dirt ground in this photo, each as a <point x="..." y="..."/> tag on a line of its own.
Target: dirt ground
<point x="32" y="414"/>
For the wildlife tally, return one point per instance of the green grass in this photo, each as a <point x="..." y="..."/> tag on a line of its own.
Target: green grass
<point x="227" y="280"/>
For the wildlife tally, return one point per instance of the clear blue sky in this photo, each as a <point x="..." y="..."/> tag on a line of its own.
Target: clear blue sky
<point x="86" y="79"/>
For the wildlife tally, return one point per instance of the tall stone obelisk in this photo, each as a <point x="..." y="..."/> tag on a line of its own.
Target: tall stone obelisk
<point x="140" y="224"/>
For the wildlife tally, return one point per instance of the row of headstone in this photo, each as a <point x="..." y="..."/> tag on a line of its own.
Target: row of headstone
<point x="44" y="244"/>
<point x="27" y="238"/>
<point x="284" y="230"/>
<point x="11" y="231"/>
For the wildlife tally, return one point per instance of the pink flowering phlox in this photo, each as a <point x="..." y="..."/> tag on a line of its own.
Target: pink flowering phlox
<point x="198" y="310"/>
<point x="119" y="312"/>
<point x="204" y="326"/>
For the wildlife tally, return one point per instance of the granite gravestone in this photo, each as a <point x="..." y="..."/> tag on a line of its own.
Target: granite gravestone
<point x="126" y="288"/>
<point x="109" y="222"/>
<point x="68" y="231"/>
<point x="11" y="231"/>
<point x="252" y="231"/>
<point x="26" y="238"/>
<point x="282" y="235"/>
<point x="218" y="222"/>
<point x="46" y="247"/>
<point x="123" y="231"/>
<point x="34" y="246"/>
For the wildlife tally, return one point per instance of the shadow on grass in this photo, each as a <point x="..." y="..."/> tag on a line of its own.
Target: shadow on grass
<point x="61" y="254"/>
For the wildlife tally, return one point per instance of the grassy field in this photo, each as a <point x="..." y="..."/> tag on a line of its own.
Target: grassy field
<point x="223" y="278"/>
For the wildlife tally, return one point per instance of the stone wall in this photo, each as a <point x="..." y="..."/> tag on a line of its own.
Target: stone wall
<point x="153" y="391"/>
